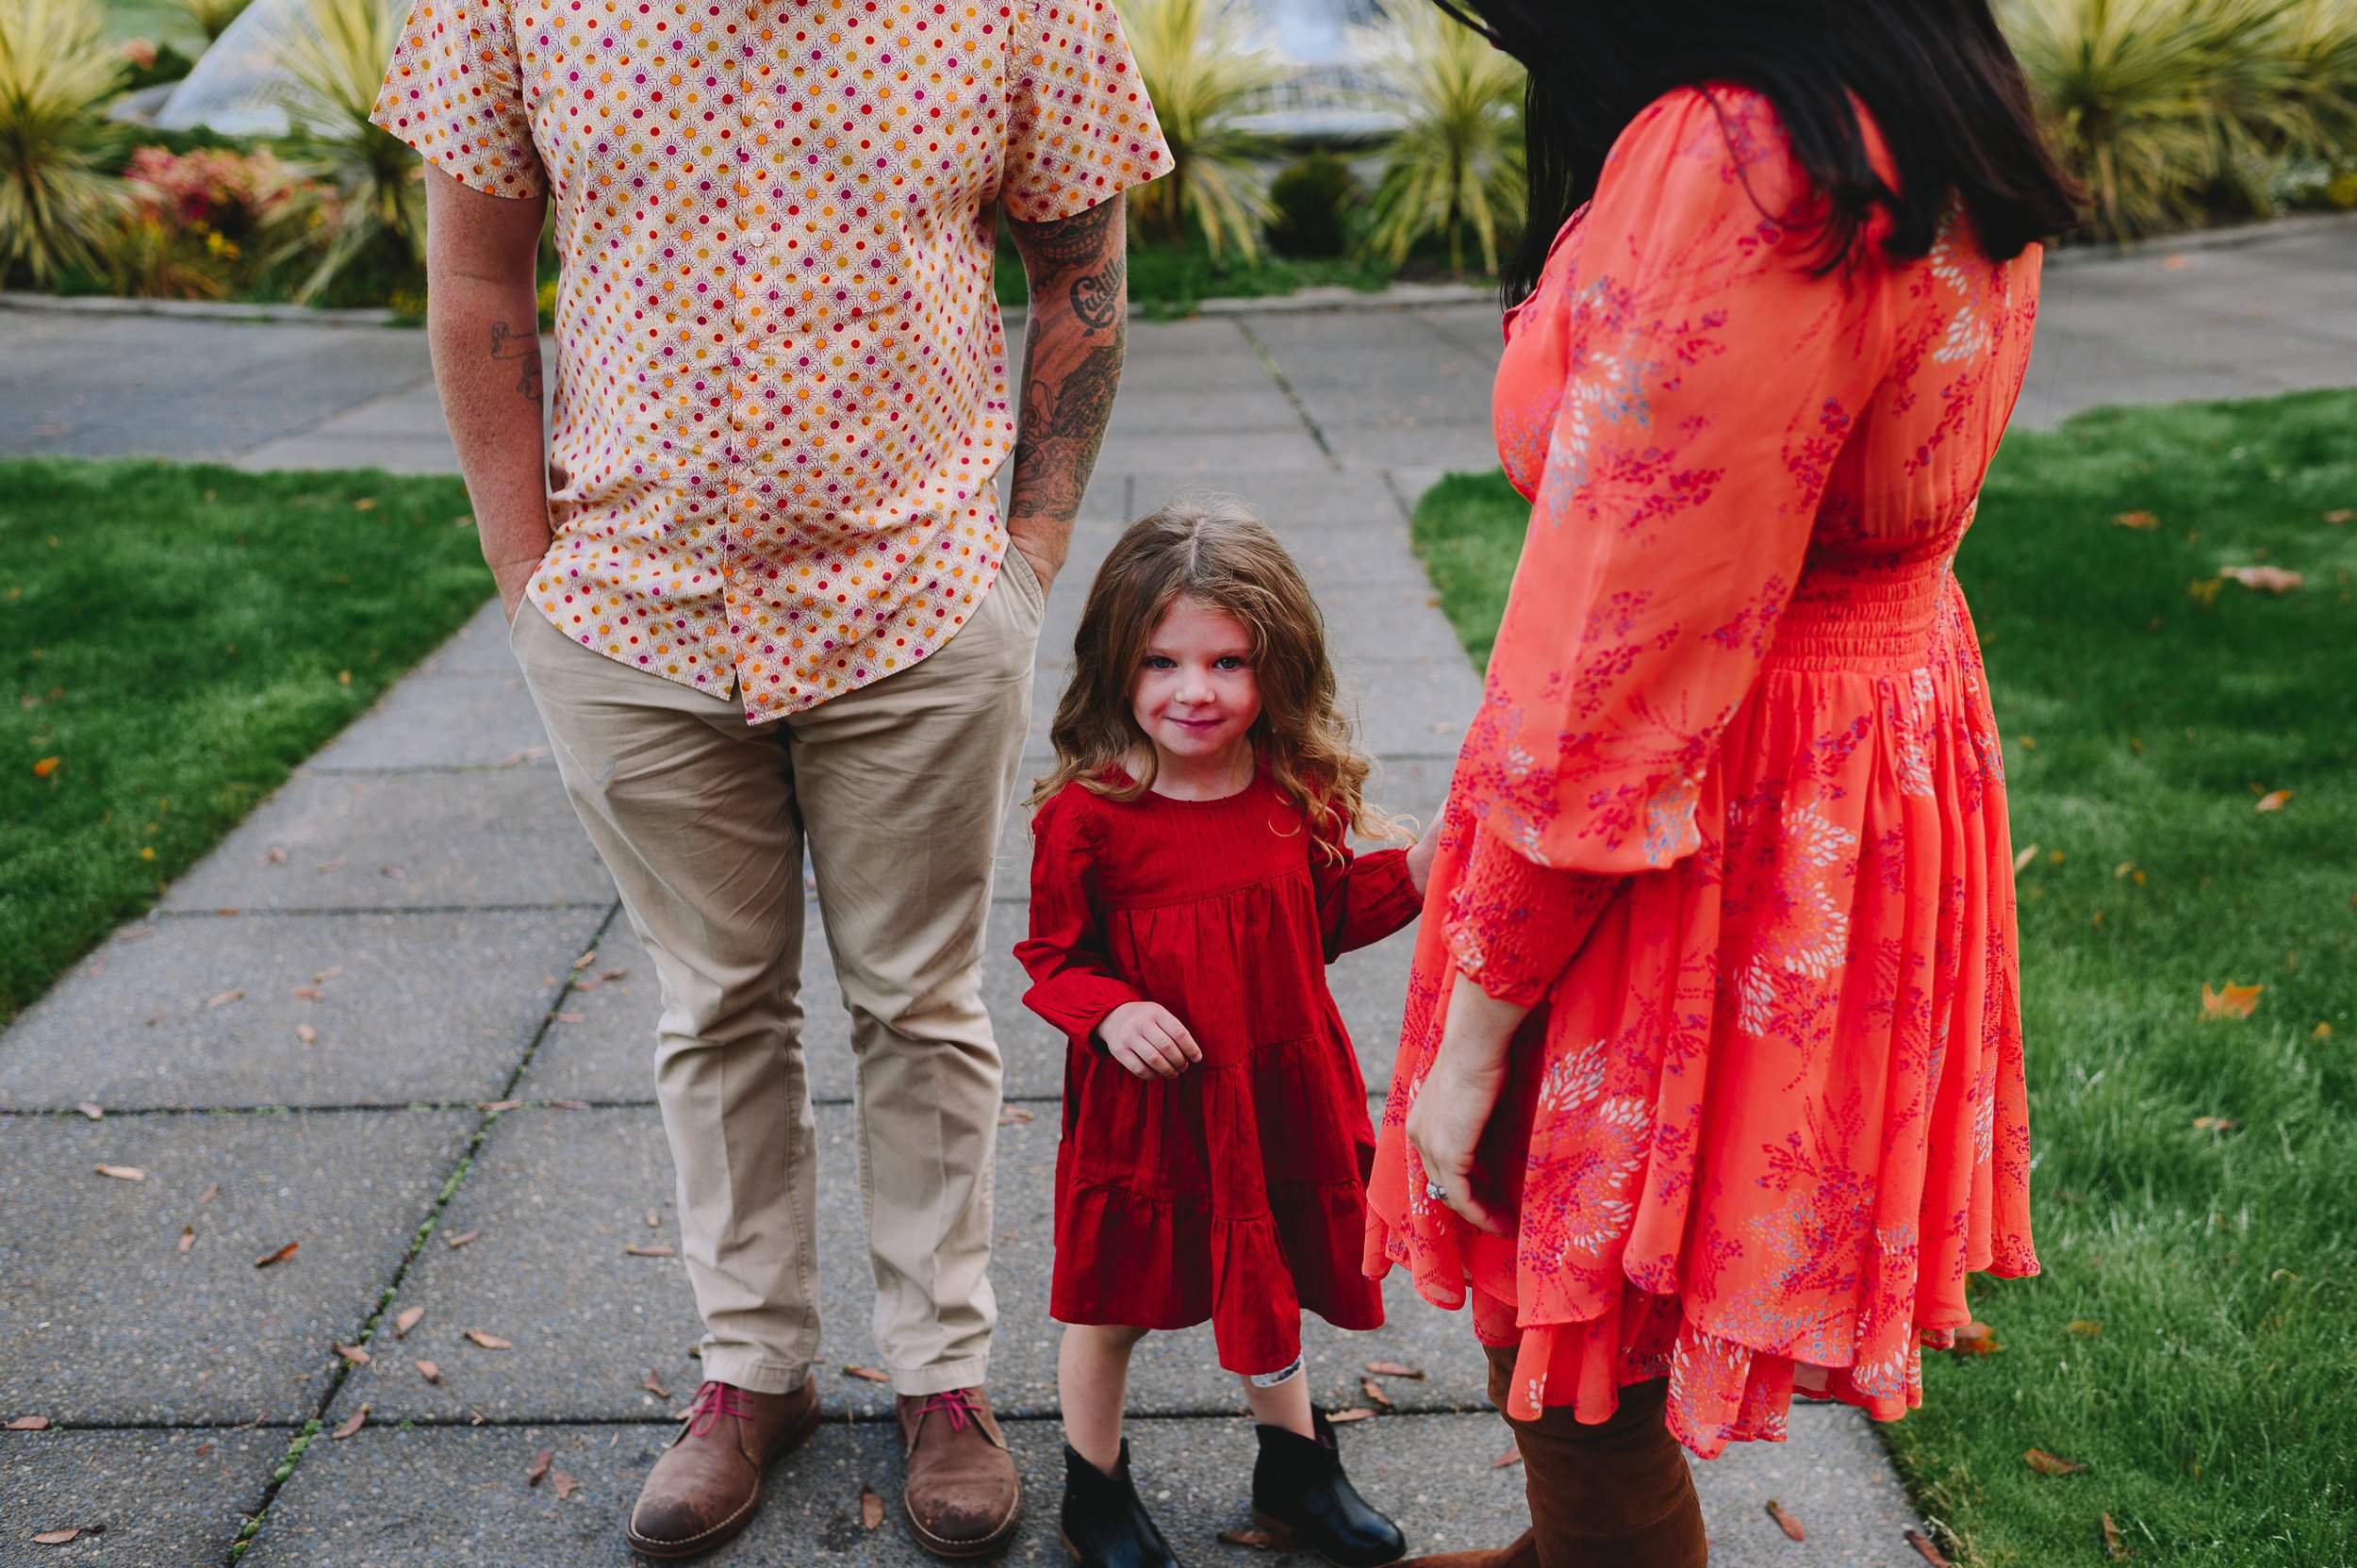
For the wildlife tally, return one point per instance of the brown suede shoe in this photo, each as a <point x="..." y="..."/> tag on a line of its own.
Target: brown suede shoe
<point x="961" y="1497"/>
<point x="707" y="1484"/>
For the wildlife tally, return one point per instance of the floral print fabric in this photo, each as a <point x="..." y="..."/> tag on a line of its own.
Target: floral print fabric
<point x="781" y="390"/>
<point x="1769" y="1112"/>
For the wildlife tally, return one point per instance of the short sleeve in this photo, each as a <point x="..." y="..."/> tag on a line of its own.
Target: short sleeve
<point x="1079" y="126"/>
<point x="455" y="91"/>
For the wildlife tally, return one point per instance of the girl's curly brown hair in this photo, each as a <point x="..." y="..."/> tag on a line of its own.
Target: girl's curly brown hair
<point x="1210" y="545"/>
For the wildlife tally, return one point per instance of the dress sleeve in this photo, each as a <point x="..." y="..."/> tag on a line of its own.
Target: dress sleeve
<point x="1362" y="898"/>
<point x="1710" y="376"/>
<point x="1513" y="926"/>
<point x="455" y="90"/>
<point x="1079" y="126"/>
<point x="1074" y="981"/>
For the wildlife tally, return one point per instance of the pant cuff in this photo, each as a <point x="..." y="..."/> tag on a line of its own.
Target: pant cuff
<point x="750" y="1369"/>
<point x="917" y="1382"/>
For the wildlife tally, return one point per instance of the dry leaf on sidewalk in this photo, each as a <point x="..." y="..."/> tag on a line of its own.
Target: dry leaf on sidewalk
<point x="121" y="1173"/>
<point x="565" y="1485"/>
<point x="94" y="1111"/>
<point x="1375" y="1392"/>
<point x="1928" y="1552"/>
<point x="209" y="1193"/>
<point x="489" y="1342"/>
<point x="654" y="1385"/>
<point x="57" y="1538"/>
<point x="1259" y="1541"/>
<point x="462" y="1238"/>
<point x="188" y="1237"/>
<point x="278" y="1257"/>
<point x="28" y="1424"/>
<point x="868" y="1371"/>
<point x="1356" y="1413"/>
<point x="1786" y="1522"/>
<point x="1395" y="1369"/>
<point x="871" y="1509"/>
<point x="636" y="1251"/>
<point x="431" y="1373"/>
<point x="224" y="998"/>
<point x="410" y="1317"/>
<point x="353" y="1354"/>
<point x="358" y="1419"/>
<point x="540" y="1463"/>
<point x="1512" y="1456"/>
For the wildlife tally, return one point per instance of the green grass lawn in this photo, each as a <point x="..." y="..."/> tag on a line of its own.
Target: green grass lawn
<point x="2193" y="1340"/>
<point x="174" y="639"/>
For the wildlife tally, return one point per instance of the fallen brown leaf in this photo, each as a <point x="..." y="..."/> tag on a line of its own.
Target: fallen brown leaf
<point x="275" y="856"/>
<point x="352" y="1423"/>
<point x="336" y="865"/>
<point x="2263" y="579"/>
<point x="1928" y="1552"/>
<point x="489" y="1342"/>
<point x="410" y="1317"/>
<point x="327" y="974"/>
<point x="188" y="1237"/>
<point x="462" y="1238"/>
<point x="306" y="1033"/>
<point x="2114" y="1549"/>
<point x="1976" y="1339"/>
<point x="1512" y="1456"/>
<point x="566" y="1017"/>
<point x="2050" y="1464"/>
<point x="2234" y="1001"/>
<point x="431" y="1373"/>
<point x="278" y="1257"/>
<point x="1010" y="1114"/>
<point x="305" y="993"/>
<point x="224" y="998"/>
<point x="497" y="1104"/>
<point x="654" y="1385"/>
<point x="871" y="1509"/>
<point x="353" y="1354"/>
<point x="2340" y="515"/>
<point x="868" y="1371"/>
<point x="1355" y="1413"/>
<point x="1375" y="1392"/>
<point x="1395" y="1369"/>
<point x="95" y="1113"/>
<point x="2085" y="1328"/>
<point x="28" y="1424"/>
<point x="121" y="1173"/>
<point x="393" y="871"/>
<point x="2213" y="1124"/>
<point x="1786" y="1522"/>
<point x="2021" y="860"/>
<point x="209" y="1193"/>
<point x="1258" y="1541"/>
<point x="540" y="1463"/>
<point x="2136" y="520"/>
<point x="56" y="1538"/>
<point x="638" y="1251"/>
<point x="45" y="766"/>
<point x="565" y="1485"/>
<point x="2274" y="799"/>
<point x="585" y="959"/>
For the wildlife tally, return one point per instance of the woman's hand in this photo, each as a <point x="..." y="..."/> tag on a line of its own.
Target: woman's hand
<point x="1457" y="1096"/>
<point x="1149" y="1039"/>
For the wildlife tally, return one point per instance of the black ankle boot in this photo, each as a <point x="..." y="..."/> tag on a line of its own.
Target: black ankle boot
<point x="1105" y="1525"/>
<point x="1300" y="1494"/>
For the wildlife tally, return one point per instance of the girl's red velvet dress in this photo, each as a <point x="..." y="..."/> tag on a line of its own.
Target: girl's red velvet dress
<point x="1235" y="1192"/>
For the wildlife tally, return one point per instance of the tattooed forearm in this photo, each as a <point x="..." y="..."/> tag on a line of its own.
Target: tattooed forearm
<point x="1064" y="425"/>
<point x="522" y="349"/>
<point x="1078" y="271"/>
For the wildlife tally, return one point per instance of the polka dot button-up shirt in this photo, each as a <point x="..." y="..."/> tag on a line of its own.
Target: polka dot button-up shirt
<point x="781" y="395"/>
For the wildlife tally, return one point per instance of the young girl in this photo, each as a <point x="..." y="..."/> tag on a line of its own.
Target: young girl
<point x="1190" y="882"/>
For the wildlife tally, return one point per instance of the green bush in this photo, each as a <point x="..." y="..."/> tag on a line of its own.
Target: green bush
<point x="1457" y="162"/>
<point x="1200" y="69"/>
<point x="1311" y="199"/>
<point x="57" y="199"/>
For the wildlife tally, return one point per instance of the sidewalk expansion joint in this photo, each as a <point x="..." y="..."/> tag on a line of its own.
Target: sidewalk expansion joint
<point x="302" y="1441"/>
<point x="1277" y="374"/>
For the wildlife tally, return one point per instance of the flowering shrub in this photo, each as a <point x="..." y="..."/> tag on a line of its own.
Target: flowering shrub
<point x="194" y="218"/>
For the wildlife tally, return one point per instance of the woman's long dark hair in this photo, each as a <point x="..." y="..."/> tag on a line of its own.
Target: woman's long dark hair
<point x="1937" y="76"/>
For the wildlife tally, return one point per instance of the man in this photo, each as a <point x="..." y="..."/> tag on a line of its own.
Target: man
<point x="762" y="592"/>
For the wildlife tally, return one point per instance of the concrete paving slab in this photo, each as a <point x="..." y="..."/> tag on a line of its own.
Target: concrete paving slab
<point x="1224" y="461"/>
<point x="401" y="433"/>
<point x="473" y="839"/>
<point x="1392" y="371"/>
<point x="392" y="1497"/>
<point x="558" y="1194"/>
<point x="478" y="647"/>
<point x="442" y="721"/>
<point x="207" y="1011"/>
<point x="164" y="1497"/>
<point x="105" y="1320"/>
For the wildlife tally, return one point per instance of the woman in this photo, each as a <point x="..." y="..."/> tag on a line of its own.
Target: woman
<point x="1710" y="1089"/>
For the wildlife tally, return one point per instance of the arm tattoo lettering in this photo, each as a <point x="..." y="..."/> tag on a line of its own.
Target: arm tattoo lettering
<point x="523" y="349"/>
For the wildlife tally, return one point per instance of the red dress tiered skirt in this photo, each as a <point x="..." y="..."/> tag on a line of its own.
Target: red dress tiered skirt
<point x="1234" y="1193"/>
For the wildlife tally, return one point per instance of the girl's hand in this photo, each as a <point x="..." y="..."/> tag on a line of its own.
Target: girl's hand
<point x="1457" y="1096"/>
<point x="1420" y="856"/>
<point x="1149" y="1039"/>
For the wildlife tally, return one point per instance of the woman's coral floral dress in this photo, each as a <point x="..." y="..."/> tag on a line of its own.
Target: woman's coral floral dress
<point x="1732" y="813"/>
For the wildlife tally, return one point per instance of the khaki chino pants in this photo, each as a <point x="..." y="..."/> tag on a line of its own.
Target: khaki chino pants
<point x="901" y="788"/>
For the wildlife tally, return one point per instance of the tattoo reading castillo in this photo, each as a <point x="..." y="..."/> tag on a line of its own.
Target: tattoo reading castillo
<point x="521" y="350"/>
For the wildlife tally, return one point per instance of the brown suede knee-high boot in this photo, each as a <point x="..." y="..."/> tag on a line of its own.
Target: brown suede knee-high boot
<point x="1614" y="1496"/>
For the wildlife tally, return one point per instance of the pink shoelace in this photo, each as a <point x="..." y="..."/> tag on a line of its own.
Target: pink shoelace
<point x="958" y="1405"/>
<point x="713" y="1401"/>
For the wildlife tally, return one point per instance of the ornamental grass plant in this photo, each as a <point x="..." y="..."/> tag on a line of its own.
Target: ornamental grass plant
<point x="362" y="209"/>
<point x="60" y="200"/>
<point x="1455" y="164"/>
<point x="1204" y="66"/>
<point x="2175" y="110"/>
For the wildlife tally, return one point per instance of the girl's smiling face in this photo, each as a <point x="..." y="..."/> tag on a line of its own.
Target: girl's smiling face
<point x="1196" y="696"/>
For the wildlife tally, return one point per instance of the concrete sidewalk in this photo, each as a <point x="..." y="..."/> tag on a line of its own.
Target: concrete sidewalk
<point x="396" y="1021"/>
